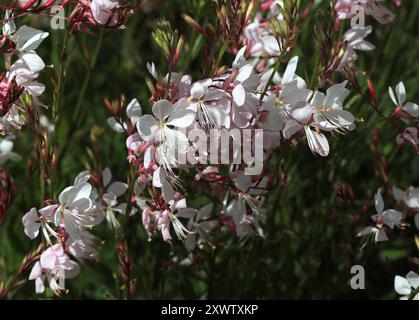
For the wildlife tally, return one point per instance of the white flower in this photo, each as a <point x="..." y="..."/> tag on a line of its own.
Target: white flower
<point x="410" y="198"/>
<point x="113" y="191"/>
<point x="160" y="216"/>
<point x="204" y="100"/>
<point x="133" y="112"/>
<point x="279" y="105"/>
<point x="258" y="34"/>
<point x="389" y="217"/>
<point x="159" y="129"/>
<point x="245" y="83"/>
<point x="33" y="220"/>
<point x="31" y="223"/>
<point x="199" y="220"/>
<point x="378" y="234"/>
<point x="46" y="123"/>
<point x="102" y="11"/>
<point x="26" y="69"/>
<point x="250" y="191"/>
<point x="54" y="266"/>
<point x="27" y="40"/>
<point x="84" y="247"/>
<point x="302" y="114"/>
<point x="371" y="7"/>
<point x="322" y="112"/>
<point x="6" y="153"/>
<point x="160" y="180"/>
<point x="328" y="109"/>
<point x="355" y="39"/>
<point x="75" y="212"/>
<point x="409" y="107"/>
<point x="25" y="77"/>
<point x="244" y="224"/>
<point x="407" y="286"/>
<point x="76" y="207"/>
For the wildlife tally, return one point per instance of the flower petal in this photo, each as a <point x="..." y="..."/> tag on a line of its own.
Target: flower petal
<point x="134" y="111"/>
<point x="317" y="142"/>
<point x="118" y="188"/>
<point x="291" y="128"/>
<point x="28" y="38"/>
<point x="392" y="96"/>
<point x="198" y="90"/>
<point x="290" y="70"/>
<point x="181" y="118"/>
<point x="401" y="93"/>
<point x="378" y="201"/>
<point x="162" y="109"/>
<point x="412" y="109"/>
<point x="146" y="127"/>
<point x="31" y="223"/>
<point x="239" y="95"/>
<point x="392" y="218"/>
<point x="402" y="286"/>
<point x="106" y="176"/>
<point x="33" y="61"/>
<point x="115" y="126"/>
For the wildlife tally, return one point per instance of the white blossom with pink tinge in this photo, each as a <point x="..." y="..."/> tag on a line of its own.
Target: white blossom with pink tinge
<point x="54" y="266"/>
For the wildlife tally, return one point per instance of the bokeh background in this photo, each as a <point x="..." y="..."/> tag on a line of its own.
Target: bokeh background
<point x="310" y="242"/>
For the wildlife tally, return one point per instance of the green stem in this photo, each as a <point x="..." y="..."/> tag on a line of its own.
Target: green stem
<point x="133" y="170"/>
<point x="60" y="81"/>
<point x="41" y="171"/>
<point x="275" y="70"/>
<point x="77" y="109"/>
<point x="87" y="78"/>
<point x="221" y="54"/>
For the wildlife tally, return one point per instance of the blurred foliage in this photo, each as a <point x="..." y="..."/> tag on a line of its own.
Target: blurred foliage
<point x="310" y="242"/>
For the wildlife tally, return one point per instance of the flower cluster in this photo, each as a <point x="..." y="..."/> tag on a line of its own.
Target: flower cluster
<point x="407" y="287"/>
<point x="21" y="77"/>
<point x="240" y="99"/>
<point x="101" y="13"/>
<point x="347" y="9"/>
<point x="386" y="220"/>
<point x="354" y="38"/>
<point x="383" y="219"/>
<point x="66" y="223"/>
<point x="389" y="219"/>
<point x="258" y="34"/>
<point x="211" y="135"/>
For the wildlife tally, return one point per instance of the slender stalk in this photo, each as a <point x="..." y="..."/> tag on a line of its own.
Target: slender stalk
<point x="131" y="191"/>
<point x="275" y="70"/>
<point x="41" y="176"/>
<point x="86" y="81"/>
<point x="16" y="280"/>
<point x="57" y="99"/>
<point x="77" y="110"/>
<point x="221" y="54"/>
<point x="377" y="109"/>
